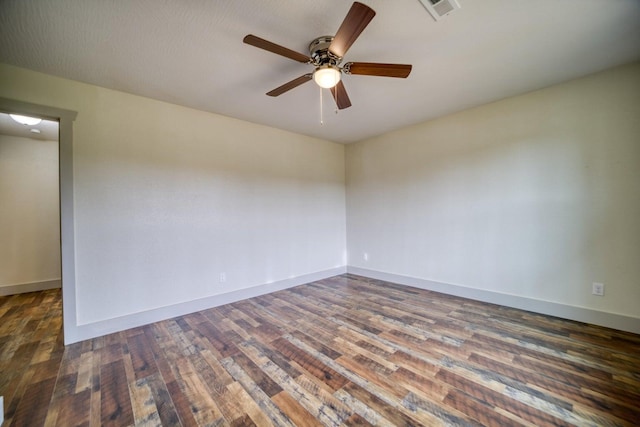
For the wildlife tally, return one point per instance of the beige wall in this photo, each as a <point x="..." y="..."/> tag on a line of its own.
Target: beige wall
<point x="167" y="198"/>
<point x="29" y="213"/>
<point x="536" y="196"/>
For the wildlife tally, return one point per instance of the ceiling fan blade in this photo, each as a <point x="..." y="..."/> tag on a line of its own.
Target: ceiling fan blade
<point x="354" y="23"/>
<point x="376" y="69"/>
<point x="275" y="48"/>
<point x="290" y="85"/>
<point x="340" y="96"/>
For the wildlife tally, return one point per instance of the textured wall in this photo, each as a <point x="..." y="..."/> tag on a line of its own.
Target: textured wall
<point x="536" y="196"/>
<point x="167" y="198"/>
<point x="29" y="213"/>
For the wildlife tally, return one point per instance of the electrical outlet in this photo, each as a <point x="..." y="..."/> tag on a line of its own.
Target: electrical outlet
<point x="365" y="256"/>
<point x="598" y="289"/>
<point x="223" y="277"/>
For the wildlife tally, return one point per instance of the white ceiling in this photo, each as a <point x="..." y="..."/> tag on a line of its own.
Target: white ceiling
<point x="191" y="53"/>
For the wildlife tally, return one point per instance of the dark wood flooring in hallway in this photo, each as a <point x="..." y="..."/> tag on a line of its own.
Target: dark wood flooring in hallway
<point x="344" y="351"/>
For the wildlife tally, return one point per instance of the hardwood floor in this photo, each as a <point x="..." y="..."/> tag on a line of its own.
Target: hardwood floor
<point x="31" y="350"/>
<point x="342" y="351"/>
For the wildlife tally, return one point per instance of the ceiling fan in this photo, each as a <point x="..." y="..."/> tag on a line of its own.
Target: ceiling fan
<point x="326" y="54"/>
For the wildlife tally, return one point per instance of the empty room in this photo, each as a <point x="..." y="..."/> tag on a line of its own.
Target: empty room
<point x="337" y="213"/>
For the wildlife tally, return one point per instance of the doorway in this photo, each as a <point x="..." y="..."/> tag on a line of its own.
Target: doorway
<point x="65" y="120"/>
<point x="29" y="205"/>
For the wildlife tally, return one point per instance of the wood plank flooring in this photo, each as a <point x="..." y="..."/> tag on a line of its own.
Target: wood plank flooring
<point x="345" y="351"/>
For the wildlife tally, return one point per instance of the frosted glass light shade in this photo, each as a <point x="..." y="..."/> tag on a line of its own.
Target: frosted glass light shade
<point x="326" y="76"/>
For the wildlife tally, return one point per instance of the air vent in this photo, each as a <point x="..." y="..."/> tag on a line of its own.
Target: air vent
<point x="440" y="8"/>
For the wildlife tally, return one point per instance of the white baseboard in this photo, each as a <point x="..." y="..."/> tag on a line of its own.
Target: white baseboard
<point x="30" y="287"/>
<point x="97" y="329"/>
<point x="580" y="314"/>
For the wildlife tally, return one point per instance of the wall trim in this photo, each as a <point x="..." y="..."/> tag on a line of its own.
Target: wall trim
<point x="580" y="314"/>
<point x="23" y="288"/>
<point x="104" y="327"/>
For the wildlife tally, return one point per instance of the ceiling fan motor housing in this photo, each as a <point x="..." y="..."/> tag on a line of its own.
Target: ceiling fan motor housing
<point x="320" y="54"/>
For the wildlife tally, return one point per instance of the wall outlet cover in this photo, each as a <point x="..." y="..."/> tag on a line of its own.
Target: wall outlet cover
<point x="598" y="289"/>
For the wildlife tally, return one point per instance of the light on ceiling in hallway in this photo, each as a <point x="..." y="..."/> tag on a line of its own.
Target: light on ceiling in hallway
<point x="25" y="120"/>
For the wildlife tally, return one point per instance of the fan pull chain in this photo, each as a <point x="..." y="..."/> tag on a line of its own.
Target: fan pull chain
<point x="321" y="118"/>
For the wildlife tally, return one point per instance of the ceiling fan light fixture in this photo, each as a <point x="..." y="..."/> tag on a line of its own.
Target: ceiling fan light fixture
<point x="326" y="76"/>
<point x="25" y="120"/>
<point x="326" y="54"/>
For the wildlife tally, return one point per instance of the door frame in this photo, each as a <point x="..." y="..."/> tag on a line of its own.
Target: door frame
<point x="65" y="119"/>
